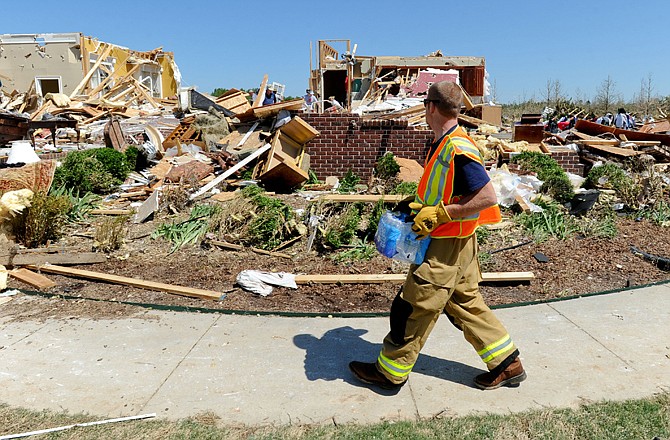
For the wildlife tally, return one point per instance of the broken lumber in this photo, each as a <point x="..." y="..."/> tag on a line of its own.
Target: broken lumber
<point x="134" y="282"/>
<point x="32" y="278"/>
<point x="230" y="171"/>
<point x="399" y="277"/>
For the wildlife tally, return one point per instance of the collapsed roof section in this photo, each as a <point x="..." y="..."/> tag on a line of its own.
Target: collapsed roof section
<point x="73" y="64"/>
<point x="351" y="78"/>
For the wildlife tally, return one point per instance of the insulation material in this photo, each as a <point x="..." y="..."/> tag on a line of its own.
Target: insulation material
<point x="429" y="76"/>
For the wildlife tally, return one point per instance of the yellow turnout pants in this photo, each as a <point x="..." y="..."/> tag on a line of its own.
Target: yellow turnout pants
<point x="447" y="280"/>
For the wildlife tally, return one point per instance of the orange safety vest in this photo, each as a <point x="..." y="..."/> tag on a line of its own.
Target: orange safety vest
<point x="437" y="183"/>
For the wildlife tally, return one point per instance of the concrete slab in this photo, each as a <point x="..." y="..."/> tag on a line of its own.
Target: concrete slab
<point x="102" y="367"/>
<point x="264" y="370"/>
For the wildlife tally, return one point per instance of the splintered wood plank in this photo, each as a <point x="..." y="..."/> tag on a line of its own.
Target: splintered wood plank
<point x="58" y="258"/>
<point x="32" y="278"/>
<point x="398" y="278"/>
<point x="261" y="92"/>
<point x="134" y="282"/>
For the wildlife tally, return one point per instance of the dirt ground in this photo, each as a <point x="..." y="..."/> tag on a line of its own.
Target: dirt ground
<point x="575" y="267"/>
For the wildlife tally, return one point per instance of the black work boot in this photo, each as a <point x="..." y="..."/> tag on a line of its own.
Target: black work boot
<point x="506" y="374"/>
<point x="368" y="373"/>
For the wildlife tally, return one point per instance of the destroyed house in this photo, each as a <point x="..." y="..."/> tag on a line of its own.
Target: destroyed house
<point x="72" y="63"/>
<point x="351" y="78"/>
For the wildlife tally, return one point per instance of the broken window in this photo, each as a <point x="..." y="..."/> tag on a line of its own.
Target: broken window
<point x="102" y="72"/>
<point x="48" y="84"/>
<point x="149" y="75"/>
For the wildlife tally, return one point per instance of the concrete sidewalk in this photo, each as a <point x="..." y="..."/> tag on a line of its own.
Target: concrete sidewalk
<point x="260" y="370"/>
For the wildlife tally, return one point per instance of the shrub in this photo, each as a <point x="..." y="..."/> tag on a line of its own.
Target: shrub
<point x="348" y="182"/>
<point x="553" y="221"/>
<point x="267" y="229"/>
<point x="387" y="167"/>
<point x="612" y="176"/>
<point x="556" y="181"/>
<point x="98" y="170"/>
<point x="80" y="206"/>
<point x="43" y="221"/>
<point x="110" y="233"/>
<point x="405" y="188"/>
<point x="342" y="228"/>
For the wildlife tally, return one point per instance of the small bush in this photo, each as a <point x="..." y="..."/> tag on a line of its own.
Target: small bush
<point x="43" y="221"/>
<point x="110" y="233"/>
<point x="556" y="181"/>
<point x="405" y="188"/>
<point x="98" y="170"/>
<point x="373" y="219"/>
<point x="348" y="182"/>
<point x="188" y="231"/>
<point x="659" y="213"/>
<point x="80" y="206"/>
<point x="387" y="167"/>
<point x="553" y="221"/>
<point x="341" y="229"/>
<point x="359" y="252"/>
<point x="612" y="176"/>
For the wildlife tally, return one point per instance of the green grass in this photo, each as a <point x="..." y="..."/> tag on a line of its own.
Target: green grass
<point x="632" y="419"/>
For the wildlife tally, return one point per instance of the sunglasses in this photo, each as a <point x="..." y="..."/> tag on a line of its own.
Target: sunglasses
<point x="426" y="101"/>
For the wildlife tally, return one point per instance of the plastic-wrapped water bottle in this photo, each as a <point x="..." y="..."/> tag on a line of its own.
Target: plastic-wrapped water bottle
<point x="395" y="239"/>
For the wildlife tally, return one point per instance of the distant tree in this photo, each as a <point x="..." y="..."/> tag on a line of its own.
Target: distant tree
<point x="647" y="97"/>
<point x="607" y="96"/>
<point x="218" y="92"/>
<point x="553" y="93"/>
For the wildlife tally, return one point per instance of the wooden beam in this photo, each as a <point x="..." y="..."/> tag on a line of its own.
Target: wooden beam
<point x="398" y="278"/>
<point x="261" y="92"/>
<point x="65" y="258"/>
<point x="111" y="77"/>
<point x="134" y="282"/>
<point x="88" y="76"/>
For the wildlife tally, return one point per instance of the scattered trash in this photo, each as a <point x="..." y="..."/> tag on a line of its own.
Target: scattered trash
<point x="259" y="282"/>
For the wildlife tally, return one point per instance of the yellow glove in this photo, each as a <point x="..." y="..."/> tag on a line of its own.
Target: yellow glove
<point x="428" y="218"/>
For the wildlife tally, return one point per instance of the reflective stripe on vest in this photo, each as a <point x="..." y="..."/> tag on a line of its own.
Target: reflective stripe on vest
<point x="437" y="183"/>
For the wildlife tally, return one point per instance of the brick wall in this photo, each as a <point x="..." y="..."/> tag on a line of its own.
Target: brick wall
<point x="348" y="142"/>
<point x="568" y="160"/>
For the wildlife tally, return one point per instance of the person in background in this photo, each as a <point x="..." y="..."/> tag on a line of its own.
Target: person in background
<point x="455" y="195"/>
<point x="605" y="120"/>
<point x="310" y="101"/>
<point x="621" y="119"/>
<point x="335" y="106"/>
<point x="270" y="96"/>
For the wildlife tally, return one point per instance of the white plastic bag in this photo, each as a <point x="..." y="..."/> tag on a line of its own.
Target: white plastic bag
<point x="259" y="282"/>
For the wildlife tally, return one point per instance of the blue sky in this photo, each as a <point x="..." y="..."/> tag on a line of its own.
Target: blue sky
<point x="232" y="44"/>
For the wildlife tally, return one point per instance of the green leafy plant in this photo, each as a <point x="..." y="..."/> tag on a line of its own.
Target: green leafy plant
<point x="612" y="176"/>
<point x="188" y="231"/>
<point x="43" y="221"/>
<point x="312" y="178"/>
<point x="659" y="213"/>
<point x="373" y="218"/>
<point x="604" y="227"/>
<point x="556" y="181"/>
<point x="268" y="227"/>
<point x="483" y="234"/>
<point x="348" y="182"/>
<point x="360" y="251"/>
<point x="405" y="188"/>
<point x="387" y="167"/>
<point x="553" y="221"/>
<point x="80" y="205"/>
<point x="342" y="228"/>
<point x="98" y="170"/>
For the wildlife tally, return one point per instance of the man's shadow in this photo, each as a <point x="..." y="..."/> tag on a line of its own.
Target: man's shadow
<point x="328" y="357"/>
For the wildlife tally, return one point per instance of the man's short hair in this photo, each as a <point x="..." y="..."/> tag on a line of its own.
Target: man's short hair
<point x="447" y="97"/>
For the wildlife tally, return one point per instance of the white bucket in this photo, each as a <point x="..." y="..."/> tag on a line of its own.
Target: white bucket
<point x="22" y="152"/>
